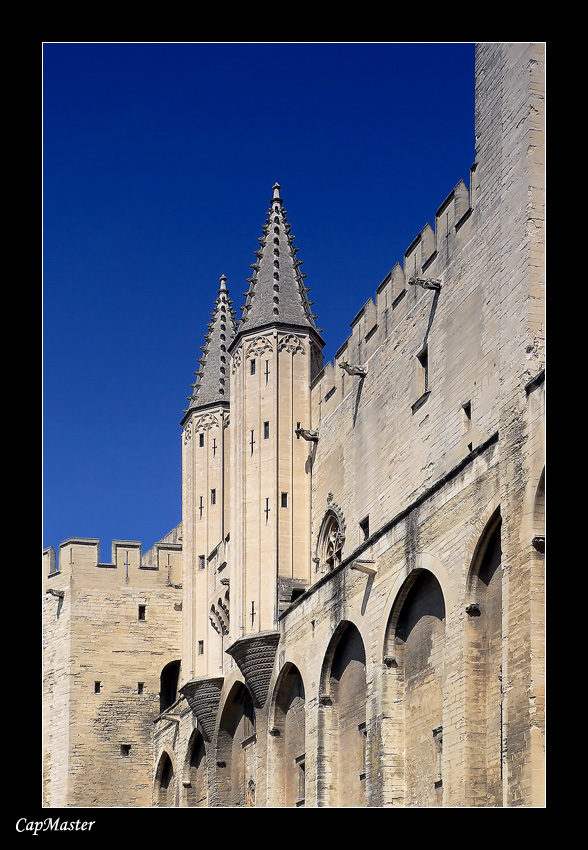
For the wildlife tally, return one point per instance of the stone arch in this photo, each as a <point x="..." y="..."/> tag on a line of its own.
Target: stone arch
<point x="195" y="772"/>
<point x="476" y="534"/>
<point x="236" y="748"/>
<point x="424" y="561"/>
<point x="165" y="782"/>
<point x="484" y="540"/>
<point x="288" y="738"/>
<point x="414" y="655"/>
<point x="484" y="667"/>
<point x="343" y="703"/>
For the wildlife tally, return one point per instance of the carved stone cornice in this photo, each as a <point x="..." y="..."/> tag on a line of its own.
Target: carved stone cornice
<point x="255" y="655"/>
<point x="203" y="697"/>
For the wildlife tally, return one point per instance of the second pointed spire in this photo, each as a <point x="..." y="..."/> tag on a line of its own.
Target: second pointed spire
<point x="212" y="378"/>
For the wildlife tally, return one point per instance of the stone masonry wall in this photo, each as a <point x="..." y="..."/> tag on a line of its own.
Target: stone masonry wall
<point x="112" y="632"/>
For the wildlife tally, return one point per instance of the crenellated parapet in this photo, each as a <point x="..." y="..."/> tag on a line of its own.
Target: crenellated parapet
<point x="423" y="271"/>
<point x="79" y="558"/>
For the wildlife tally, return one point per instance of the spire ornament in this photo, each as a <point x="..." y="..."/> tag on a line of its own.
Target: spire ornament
<point x="277" y="292"/>
<point x="212" y="377"/>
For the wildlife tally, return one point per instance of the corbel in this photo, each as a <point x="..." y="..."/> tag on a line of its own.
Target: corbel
<point x="364" y="567"/>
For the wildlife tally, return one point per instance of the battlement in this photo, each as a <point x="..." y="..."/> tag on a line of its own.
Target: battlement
<point x="80" y="556"/>
<point x="424" y="266"/>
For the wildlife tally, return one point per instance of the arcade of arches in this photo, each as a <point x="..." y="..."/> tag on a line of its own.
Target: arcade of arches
<point x="412" y="711"/>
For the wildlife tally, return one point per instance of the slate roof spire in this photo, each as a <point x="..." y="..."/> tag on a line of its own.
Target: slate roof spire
<point x="277" y="292"/>
<point x="212" y="377"/>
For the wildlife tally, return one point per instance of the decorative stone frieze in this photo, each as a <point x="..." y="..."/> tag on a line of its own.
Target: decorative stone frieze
<point x="290" y="342"/>
<point x="236" y="359"/>
<point x="256" y="347"/>
<point x="206" y="422"/>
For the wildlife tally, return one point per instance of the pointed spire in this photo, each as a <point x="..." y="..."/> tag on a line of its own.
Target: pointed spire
<point x="212" y="378"/>
<point x="277" y="292"/>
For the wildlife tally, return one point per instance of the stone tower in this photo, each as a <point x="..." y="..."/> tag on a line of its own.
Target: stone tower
<point x="205" y="483"/>
<point x="362" y="592"/>
<point x="276" y="353"/>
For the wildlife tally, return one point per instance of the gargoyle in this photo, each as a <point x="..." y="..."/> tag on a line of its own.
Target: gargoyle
<point x="426" y="283"/>
<point x="353" y="370"/>
<point x="307" y="434"/>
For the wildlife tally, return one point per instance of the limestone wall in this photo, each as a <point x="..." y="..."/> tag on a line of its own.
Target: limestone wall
<point x="410" y="672"/>
<point x="109" y="630"/>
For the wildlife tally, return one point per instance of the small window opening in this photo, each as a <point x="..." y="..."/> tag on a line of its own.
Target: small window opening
<point x="200" y="439"/>
<point x="266" y="430"/>
<point x="213" y="497"/>
<point x="97" y="687"/>
<point x="466" y="416"/>
<point x="438" y="742"/>
<point x="201" y="562"/>
<point x="142" y="612"/>
<point x="200" y="647"/>
<point x="140" y="687"/>
<point x="284" y="500"/>
<point x="168" y="685"/>
<point x="252" y="366"/>
<point x="363" y="732"/>
<point x="301" y="763"/>
<point x="125" y="749"/>
<point x="364" y="526"/>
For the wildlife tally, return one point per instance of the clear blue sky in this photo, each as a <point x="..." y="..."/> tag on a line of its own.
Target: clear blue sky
<point x="159" y="160"/>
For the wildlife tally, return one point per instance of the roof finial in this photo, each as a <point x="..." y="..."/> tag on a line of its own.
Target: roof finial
<point x="276" y="187"/>
<point x="223" y="283"/>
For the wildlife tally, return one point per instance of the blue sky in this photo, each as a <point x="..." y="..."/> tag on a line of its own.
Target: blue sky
<point x="159" y="161"/>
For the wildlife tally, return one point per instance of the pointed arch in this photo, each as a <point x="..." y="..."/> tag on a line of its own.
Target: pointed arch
<point x="165" y="783"/>
<point x="486" y="539"/>
<point x="344" y="700"/>
<point x="414" y="649"/>
<point x="288" y="738"/>
<point x="424" y="562"/>
<point x="484" y="667"/>
<point x="331" y="538"/>
<point x="195" y="772"/>
<point x="236" y="748"/>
